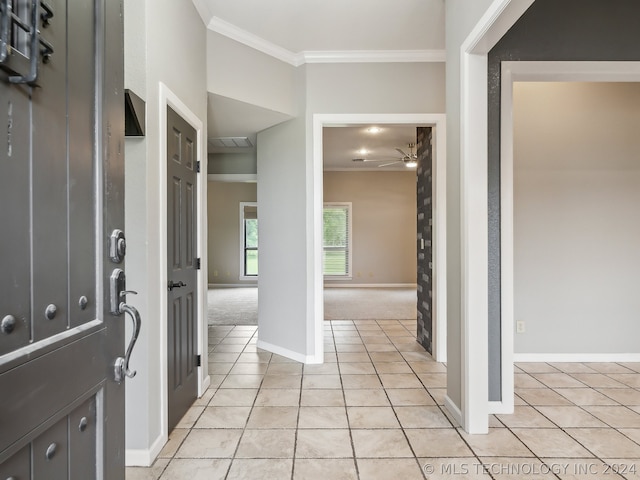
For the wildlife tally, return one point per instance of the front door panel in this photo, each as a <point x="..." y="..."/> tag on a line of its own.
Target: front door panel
<point x="62" y="192"/>
<point x="181" y="251"/>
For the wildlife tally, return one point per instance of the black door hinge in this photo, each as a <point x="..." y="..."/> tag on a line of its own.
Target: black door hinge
<point x="198" y="166"/>
<point x="198" y="360"/>
<point x="198" y="263"/>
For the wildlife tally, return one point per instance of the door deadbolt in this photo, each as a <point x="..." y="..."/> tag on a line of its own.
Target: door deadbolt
<point x="117" y="246"/>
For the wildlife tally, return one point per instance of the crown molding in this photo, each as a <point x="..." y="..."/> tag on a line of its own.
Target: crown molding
<point x="250" y="40"/>
<point x="229" y="30"/>
<point x="374" y="56"/>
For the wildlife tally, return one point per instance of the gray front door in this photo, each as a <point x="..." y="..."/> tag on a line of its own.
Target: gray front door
<point x="61" y="196"/>
<point x="182" y="265"/>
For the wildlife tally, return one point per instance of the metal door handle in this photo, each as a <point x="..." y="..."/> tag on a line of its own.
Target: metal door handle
<point x="5" y="18"/>
<point x="34" y="41"/>
<point x="173" y="285"/>
<point x="121" y="367"/>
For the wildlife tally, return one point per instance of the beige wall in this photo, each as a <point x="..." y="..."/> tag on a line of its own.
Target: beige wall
<point x="383" y="224"/>
<point x="224" y="230"/>
<point x="576" y="222"/>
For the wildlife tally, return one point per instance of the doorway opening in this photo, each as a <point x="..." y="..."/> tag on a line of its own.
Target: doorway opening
<point x="597" y="184"/>
<point x="358" y="122"/>
<point x="233" y="255"/>
<point x="369" y="226"/>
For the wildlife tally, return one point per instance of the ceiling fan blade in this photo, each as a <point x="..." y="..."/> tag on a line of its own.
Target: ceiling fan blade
<point x="365" y="160"/>
<point x="392" y="163"/>
<point x="401" y="152"/>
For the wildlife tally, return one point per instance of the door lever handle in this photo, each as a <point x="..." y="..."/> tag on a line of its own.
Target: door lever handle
<point x="121" y="367"/>
<point x="173" y="285"/>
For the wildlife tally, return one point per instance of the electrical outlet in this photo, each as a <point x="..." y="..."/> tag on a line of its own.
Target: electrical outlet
<point x="520" y="327"/>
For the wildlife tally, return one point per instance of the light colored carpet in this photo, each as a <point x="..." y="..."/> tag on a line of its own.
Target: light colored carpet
<point x="233" y="306"/>
<point x="239" y="306"/>
<point x="370" y="303"/>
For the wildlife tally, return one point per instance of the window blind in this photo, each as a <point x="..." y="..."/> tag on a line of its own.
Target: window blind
<point x="336" y="239"/>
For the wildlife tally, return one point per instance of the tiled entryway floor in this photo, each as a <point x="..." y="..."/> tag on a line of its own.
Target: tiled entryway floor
<point x="374" y="410"/>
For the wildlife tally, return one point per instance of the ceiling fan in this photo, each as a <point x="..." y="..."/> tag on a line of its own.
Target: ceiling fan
<point x="408" y="159"/>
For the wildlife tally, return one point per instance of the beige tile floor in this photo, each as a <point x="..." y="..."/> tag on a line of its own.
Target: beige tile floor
<point x="374" y="410"/>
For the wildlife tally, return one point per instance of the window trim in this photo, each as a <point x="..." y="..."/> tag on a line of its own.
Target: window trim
<point x="349" y="274"/>
<point x="242" y="251"/>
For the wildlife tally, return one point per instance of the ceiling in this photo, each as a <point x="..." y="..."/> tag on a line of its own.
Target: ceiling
<point x="328" y="25"/>
<point x="342" y="144"/>
<point x="308" y="26"/>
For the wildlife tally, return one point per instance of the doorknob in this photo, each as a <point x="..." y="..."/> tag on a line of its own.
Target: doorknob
<point x="173" y="285"/>
<point x="121" y="367"/>
<point x="118" y="307"/>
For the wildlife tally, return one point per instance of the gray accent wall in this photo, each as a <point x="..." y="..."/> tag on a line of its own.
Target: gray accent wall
<point x="551" y="30"/>
<point x="425" y="237"/>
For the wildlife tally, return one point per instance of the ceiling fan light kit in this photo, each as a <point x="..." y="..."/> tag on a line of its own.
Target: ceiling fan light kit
<point x="410" y="160"/>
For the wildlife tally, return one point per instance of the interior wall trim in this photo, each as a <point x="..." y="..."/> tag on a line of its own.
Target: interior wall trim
<point x="233" y="32"/>
<point x="474" y="338"/>
<point x="285" y="352"/>
<point x="144" y="457"/>
<point x="453" y="409"/>
<point x="576" y="357"/>
<point x="370" y="285"/>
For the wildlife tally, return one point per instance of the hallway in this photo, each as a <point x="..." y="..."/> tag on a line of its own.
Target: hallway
<point x="374" y="411"/>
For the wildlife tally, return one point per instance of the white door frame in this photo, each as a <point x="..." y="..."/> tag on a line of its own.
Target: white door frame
<point x="315" y="180"/>
<point x="528" y="71"/>
<point x="499" y="17"/>
<point x="168" y="98"/>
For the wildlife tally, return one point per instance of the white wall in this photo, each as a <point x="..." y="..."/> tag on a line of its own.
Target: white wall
<point x="375" y="88"/>
<point x="286" y="182"/>
<point x="576" y="220"/>
<point x="384" y="224"/>
<point x="461" y="18"/>
<point x="242" y="73"/>
<point x="179" y="61"/>
<point x="282" y="262"/>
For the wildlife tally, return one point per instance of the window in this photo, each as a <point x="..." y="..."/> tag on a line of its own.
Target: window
<point x="336" y="219"/>
<point x="248" y="240"/>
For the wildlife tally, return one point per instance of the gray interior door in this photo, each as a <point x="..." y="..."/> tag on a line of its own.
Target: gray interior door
<point x="182" y="265"/>
<point x="62" y="193"/>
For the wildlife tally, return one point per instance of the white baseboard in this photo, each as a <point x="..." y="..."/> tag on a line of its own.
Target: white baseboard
<point x="144" y="458"/>
<point x="453" y="410"/>
<point x="576" y="357"/>
<point x="232" y="285"/>
<point x="298" y="357"/>
<point x="501" y="407"/>
<point x="206" y="381"/>
<point x="370" y="285"/>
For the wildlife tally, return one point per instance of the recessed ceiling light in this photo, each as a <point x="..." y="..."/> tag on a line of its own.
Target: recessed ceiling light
<point x="363" y="151"/>
<point x="374" y="130"/>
